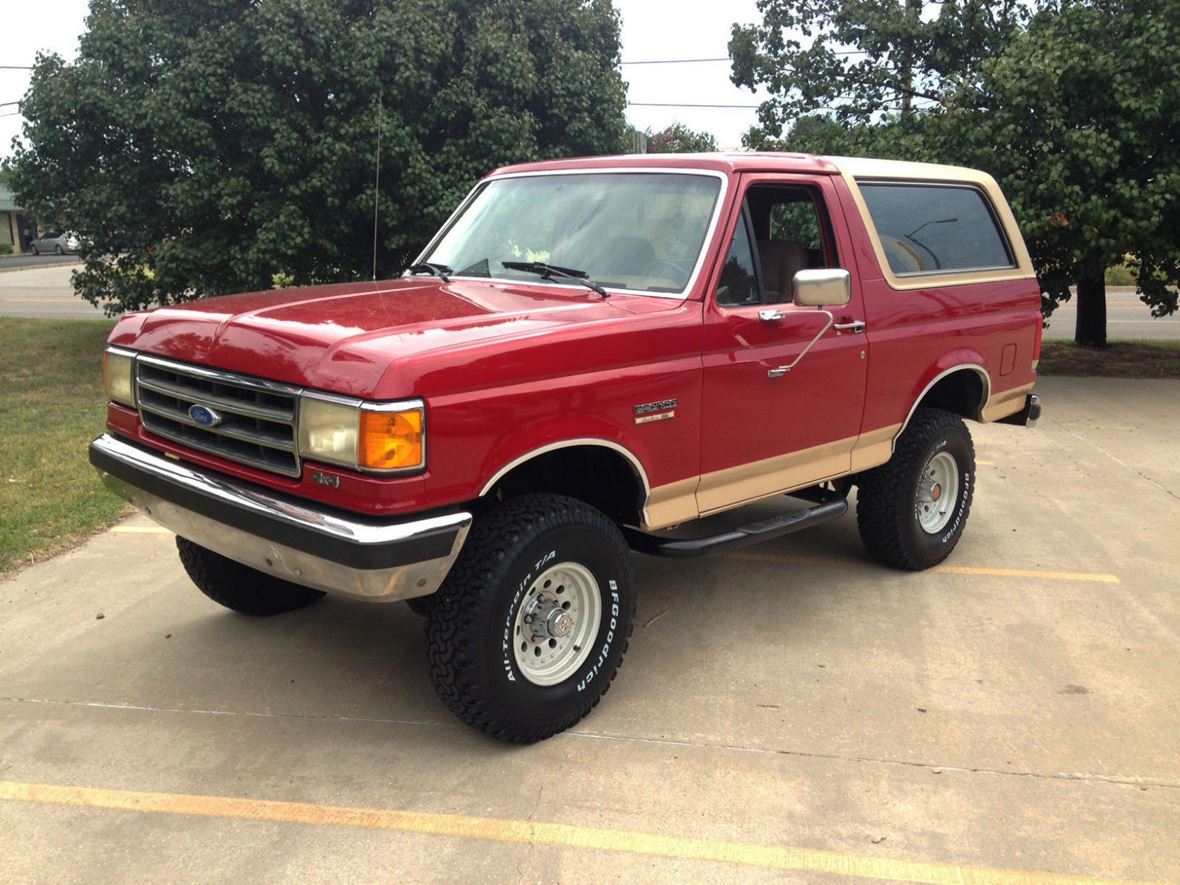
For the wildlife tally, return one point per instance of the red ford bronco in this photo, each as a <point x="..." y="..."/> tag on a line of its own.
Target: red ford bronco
<point x="589" y="353"/>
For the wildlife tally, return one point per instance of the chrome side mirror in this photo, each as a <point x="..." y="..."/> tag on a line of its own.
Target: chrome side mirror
<point x="823" y="287"/>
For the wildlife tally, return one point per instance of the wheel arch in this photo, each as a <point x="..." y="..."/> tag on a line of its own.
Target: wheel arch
<point x="963" y="388"/>
<point x="600" y="472"/>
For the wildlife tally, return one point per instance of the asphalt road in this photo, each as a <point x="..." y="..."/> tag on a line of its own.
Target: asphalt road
<point x="792" y="712"/>
<point x="46" y="292"/>
<point x="1126" y="317"/>
<point x="16" y="262"/>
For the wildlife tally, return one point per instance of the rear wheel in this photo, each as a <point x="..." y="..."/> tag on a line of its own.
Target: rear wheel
<point x="240" y="587"/>
<point x="531" y="625"/>
<point x="59" y="250"/>
<point x="911" y="511"/>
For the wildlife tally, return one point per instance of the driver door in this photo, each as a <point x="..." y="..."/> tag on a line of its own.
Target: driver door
<point x="766" y="430"/>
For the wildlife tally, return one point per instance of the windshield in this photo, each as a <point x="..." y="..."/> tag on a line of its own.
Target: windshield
<point x="638" y="231"/>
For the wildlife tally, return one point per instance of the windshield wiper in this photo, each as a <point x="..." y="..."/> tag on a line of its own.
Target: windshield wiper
<point x="553" y="271"/>
<point x="435" y="270"/>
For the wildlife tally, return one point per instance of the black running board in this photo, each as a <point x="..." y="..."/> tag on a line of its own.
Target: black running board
<point x="754" y="533"/>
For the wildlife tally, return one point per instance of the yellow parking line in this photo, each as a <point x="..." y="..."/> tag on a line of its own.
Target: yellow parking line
<point x="943" y="569"/>
<point x="140" y="530"/>
<point x="1025" y="573"/>
<point x="985" y="463"/>
<point x="528" y="833"/>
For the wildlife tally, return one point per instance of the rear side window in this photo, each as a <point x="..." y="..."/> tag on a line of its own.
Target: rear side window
<point x="935" y="228"/>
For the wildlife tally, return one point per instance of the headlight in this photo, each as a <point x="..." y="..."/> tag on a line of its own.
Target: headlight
<point x="368" y="436"/>
<point x="118" y="368"/>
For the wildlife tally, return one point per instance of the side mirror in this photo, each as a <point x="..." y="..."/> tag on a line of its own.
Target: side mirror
<point x="824" y="287"/>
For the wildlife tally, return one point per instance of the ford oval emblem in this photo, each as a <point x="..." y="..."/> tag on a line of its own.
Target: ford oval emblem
<point x="203" y="415"/>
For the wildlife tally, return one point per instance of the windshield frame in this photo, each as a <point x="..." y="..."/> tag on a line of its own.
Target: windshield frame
<point x="682" y="295"/>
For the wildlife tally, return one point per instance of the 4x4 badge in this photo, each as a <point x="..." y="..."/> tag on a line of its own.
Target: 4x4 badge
<point x="326" y="479"/>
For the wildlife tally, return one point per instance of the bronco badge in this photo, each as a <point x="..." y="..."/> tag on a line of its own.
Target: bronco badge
<point x="661" y="411"/>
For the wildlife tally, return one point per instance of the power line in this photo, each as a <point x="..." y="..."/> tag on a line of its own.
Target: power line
<point x="689" y="61"/>
<point x="672" y="61"/>
<point x="6" y="104"/>
<point x="16" y="67"/>
<point x="668" y="104"/>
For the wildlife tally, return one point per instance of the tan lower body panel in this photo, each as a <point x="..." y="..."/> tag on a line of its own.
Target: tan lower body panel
<point x="734" y="486"/>
<point x="1004" y="403"/>
<point x="688" y="499"/>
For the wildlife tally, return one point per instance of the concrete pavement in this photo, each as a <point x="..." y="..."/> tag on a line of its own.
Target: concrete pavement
<point x="790" y="712"/>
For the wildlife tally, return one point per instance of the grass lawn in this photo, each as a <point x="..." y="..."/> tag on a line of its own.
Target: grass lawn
<point x="51" y="406"/>
<point x="1121" y="359"/>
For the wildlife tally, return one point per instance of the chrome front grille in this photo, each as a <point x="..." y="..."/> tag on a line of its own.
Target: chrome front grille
<point x="256" y="419"/>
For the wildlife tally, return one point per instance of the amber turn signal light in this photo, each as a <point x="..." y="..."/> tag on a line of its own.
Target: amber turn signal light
<point x="391" y="440"/>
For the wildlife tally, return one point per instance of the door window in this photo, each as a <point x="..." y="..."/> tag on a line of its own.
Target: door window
<point x="739" y="281"/>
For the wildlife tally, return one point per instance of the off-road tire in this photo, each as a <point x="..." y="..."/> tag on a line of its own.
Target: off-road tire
<point x="469" y="636"/>
<point x="240" y="587"/>
<point x="887" y="497"/>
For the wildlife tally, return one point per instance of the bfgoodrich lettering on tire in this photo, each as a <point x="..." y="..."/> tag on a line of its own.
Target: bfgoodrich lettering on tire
<point x="533" y="621"/>
<point x="911" y="511"/>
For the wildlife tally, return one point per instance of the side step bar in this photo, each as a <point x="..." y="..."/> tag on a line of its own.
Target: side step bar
<point x="754" y="533"/>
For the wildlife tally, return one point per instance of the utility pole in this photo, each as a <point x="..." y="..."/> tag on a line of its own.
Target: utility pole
<point x="907" y="70"/>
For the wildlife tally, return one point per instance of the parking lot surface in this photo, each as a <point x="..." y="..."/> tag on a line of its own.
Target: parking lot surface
<point x="788" y="712"/>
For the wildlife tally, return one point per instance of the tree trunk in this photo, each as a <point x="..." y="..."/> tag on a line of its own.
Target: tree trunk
<point x="1090" y="330"/>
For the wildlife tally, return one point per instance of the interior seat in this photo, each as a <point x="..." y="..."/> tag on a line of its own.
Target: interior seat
<point x="781" y="260"/>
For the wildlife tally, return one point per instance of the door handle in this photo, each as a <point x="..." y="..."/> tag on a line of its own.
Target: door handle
<point x="855" y="327"/>
<point x="769" y="316"/>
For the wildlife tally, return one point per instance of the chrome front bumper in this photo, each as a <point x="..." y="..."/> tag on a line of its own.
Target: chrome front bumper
<point x="382" y="562"/>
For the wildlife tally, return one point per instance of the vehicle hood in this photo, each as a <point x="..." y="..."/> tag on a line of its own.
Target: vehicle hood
<point x="380" y="340"/>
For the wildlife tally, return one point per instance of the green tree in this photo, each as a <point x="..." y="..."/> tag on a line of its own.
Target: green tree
<point x="860" y="60"/>
<point x="224" y="142"/>
<point x="1079" y="118"/>
<point x="1073" y="107"/>
<point x="679" y="139"/>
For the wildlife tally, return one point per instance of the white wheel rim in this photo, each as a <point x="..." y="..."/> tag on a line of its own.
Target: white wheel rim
<point x="557" y="623"/>
<point x="938" y="493"/>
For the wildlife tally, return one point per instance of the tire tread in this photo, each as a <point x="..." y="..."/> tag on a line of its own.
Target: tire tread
<point x="882" y="504"/>
<point x="463" y="606"/>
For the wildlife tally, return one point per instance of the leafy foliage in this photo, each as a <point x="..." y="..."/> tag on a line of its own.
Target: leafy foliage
<point x="857" y="60"/>
<point x="1074" y="107"/>
<point x="223" y="143"/>
<point x="679" y="139"/>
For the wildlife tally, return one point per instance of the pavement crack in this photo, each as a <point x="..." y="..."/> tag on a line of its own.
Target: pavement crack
<point x="1120" y="462"/>
<point x="1121" y="780"/>
<point x="199" y="712"/>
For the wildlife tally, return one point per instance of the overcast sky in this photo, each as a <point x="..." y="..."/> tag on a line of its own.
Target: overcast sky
<point x="652" y="29"/>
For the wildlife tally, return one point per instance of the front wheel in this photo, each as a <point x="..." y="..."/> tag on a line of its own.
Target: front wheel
<point x="240" y="587"/>
<point x="531" y="625"/>
<point x="912" y="510"/>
